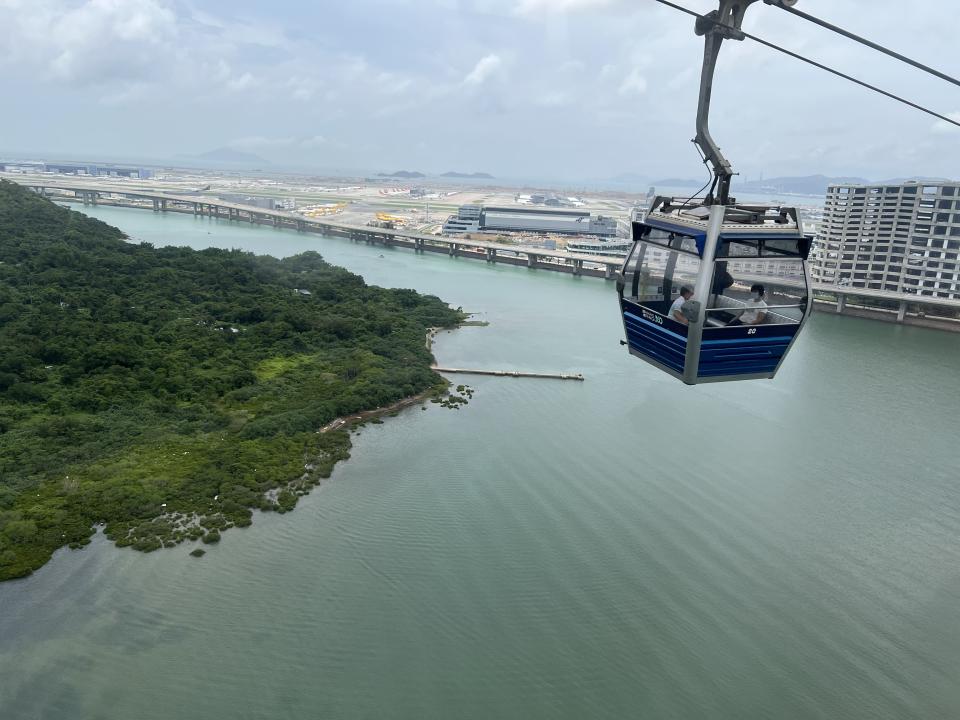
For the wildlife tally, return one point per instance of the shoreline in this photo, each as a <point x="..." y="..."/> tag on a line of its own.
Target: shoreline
<point x="365" y="415"/>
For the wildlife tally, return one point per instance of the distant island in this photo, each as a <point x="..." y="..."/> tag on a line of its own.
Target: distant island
<point x="164" y="393"/>
<point x="469" y="176"/>
<point x="405" y="174"/>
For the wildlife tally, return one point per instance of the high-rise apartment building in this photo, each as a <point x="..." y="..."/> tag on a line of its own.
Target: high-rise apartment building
<point x="901" y="238"/>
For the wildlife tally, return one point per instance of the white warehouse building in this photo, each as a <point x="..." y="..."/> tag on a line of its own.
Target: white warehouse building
<point x="477" y="218"/>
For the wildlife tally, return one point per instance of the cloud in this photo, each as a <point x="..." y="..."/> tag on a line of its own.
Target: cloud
<point x="94" y="42"/>
<point x="553" y="99"/>
<point x="260" y="31"/>
<point x="486" y="67"/>
<point x="943" y="127"/>
<point x="633" y="84"/>
<point x="543" y="7"/>
<point x="302" y="88"/>
<point x="295" y="80"/>
<point x="242" y="82"/>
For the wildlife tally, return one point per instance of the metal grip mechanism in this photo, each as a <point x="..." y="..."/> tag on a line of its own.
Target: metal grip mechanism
<point x="716" y="26"/>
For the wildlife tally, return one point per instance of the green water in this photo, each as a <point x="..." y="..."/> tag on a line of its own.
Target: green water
<point x="625" y="547"/>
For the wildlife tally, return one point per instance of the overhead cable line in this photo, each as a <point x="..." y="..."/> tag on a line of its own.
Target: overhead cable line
<point x="863" y="41"/>
<point x="707" y="18"/>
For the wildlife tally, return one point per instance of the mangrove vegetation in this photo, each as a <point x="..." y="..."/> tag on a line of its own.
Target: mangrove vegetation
<point x="164" y="393"/>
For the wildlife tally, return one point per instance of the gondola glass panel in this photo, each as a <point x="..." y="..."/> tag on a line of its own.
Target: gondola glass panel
<point x="659" y="266"/>
<point x="755" y="311"/>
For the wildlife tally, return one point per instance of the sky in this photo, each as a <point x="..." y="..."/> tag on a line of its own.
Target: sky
<point x="571" y="90"/>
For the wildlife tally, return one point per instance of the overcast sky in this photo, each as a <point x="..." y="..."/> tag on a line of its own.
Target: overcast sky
<point x="563" y="89"/>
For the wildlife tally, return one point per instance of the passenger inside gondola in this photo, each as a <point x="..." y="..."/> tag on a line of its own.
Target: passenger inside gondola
<point x="676" y="310"/>
<point x="756" y="311"/>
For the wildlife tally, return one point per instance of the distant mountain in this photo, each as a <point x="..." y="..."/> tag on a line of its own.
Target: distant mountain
<point x="406" y="174"/>
<point x="229" y="155"/>
<point x="806" y="185"/>
<point x="469" y="176"/>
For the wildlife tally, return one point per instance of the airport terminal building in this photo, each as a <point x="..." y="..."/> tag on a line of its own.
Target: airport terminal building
<point x="478" y="218"/>
<point x="899" y="238"/>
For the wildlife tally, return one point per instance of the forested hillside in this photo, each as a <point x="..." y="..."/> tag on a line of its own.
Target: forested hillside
<point x="166" y="391"/>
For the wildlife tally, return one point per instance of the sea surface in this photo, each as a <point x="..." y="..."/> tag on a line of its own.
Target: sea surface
<point x="624" y="547"/>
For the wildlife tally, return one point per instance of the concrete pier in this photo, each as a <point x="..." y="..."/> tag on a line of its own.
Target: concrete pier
<point x="512" y="373"/>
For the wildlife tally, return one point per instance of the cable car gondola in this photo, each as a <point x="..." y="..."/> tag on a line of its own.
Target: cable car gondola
<point x="740" y="270"/>
<point x="724" y="331"/>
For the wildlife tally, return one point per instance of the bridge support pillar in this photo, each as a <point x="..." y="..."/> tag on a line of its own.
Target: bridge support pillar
<point x="902" y="311"/>
<point x="276" y="221"/>
<point x="491" y="255"/>
<point x="301" y="226"/>
<point x="253" y="217"/>
<point x="163" y="205"/>
<point x="418" y="245"/>
<point x="577" y="267"/>
<point x="608" y="272"/>
<point x="156" y="205"/>
<point x="196" y="209"/>
<point x="531" y="260"/>
<point x="841" y="303"/>
<point x="454" y="249"/>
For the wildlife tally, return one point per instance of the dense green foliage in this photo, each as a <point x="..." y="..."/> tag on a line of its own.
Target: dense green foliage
<point x="165" y="392"/>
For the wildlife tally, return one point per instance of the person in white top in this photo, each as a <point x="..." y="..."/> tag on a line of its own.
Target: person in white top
<point x="675" y="312"/>
<point x="756" y="308"/>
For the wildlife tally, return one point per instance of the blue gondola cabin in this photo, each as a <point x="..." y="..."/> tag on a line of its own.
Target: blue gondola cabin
<point x="743" y="270"/>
